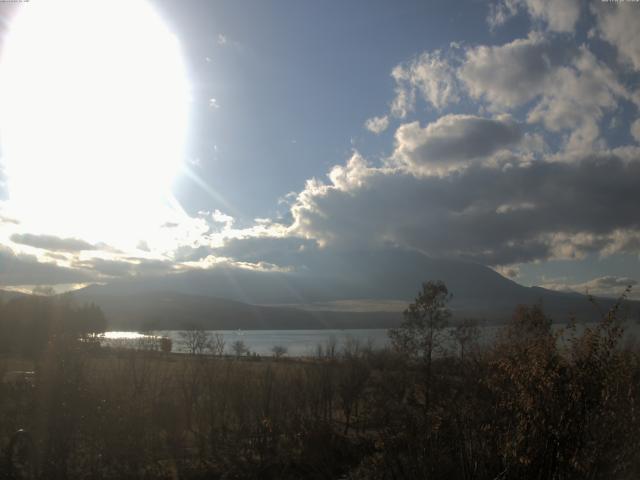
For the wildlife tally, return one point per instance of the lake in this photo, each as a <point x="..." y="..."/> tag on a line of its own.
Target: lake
<point x="302" y="343"/>
<point x="299" y="343"/>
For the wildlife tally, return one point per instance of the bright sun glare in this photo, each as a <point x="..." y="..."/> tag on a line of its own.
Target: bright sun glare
<point x="93" y="116"/>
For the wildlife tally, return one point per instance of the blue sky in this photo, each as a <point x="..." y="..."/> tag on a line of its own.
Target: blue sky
<point x="504" y="133"/>
<point x="295" y="82"/>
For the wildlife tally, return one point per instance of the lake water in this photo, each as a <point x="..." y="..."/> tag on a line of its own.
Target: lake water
<point x="301" y="343"/>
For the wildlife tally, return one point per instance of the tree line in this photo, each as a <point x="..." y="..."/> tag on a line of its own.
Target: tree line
<point x="28" y="323"/>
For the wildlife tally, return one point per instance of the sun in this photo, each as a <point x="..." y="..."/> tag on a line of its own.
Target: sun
<point x="93" y="117"/>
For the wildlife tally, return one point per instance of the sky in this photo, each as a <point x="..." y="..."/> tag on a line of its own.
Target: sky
<point x="504" y="133"/>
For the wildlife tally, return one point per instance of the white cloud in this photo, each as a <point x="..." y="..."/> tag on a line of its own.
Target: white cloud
<point x="618" y="24"/>
<point x="501" y="11"/>
<point x="512" y="74"/>
<point x="431" y="76"/>
<point x="569" y="87"/>
<point x="509" y="271"/>
<point x="576" y="99"/>
<point x="226" y="220"/>
<point x="558" y="16"/>
<point x="606" y="286"/>
<point x="635" y="130"/>
<point x="377" y="125"/>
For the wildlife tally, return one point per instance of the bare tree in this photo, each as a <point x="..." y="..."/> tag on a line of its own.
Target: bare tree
<point x="166" y="344"/>
<point x="196" y="341"/>
<point x="465" y="333"/>
<point x="279" y="351"/>
<point x="217" y="344"/>
<point x="239" y="348"/>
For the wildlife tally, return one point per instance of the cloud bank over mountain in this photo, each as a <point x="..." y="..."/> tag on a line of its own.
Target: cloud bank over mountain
<point x="500" y="154"/>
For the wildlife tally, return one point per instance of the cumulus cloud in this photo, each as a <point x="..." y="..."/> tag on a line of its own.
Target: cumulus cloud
<point x="20" y="269"/>
<point x="51" y="242"/>
<point x="557" y="16"/>
<point x="377" y="125"/>
<point x="571" y="88"/>
<point x="509" y="75"/>
<point x="618" y="23"/>
<point x="501" y="11"/>
<point x="429" y="76"/>
<point x="578" y="99"/>
<point x="223" y="219"/>
<point x="635" y="130"/>
<point x="453" y="140"/>
<point x="606" y="286"/>
<point x="493" y="214"/>
<point x="509" y="271"/>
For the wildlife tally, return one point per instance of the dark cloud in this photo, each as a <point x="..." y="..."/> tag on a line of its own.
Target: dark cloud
<point x="110" y="268"/>
<point x="282" y="251"/>
<point x="453" y="140"/>
<point x="50" y="242"/>
<point x="17" y="269"/>
<point x="126" y="268"/>
<point x="493" y="215"/>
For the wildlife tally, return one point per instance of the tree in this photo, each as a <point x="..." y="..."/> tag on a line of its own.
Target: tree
<point x="196" y="341"/>
<point x="424" y="321"/>
<point x="464" y="333"/>
<point x="279" y="351"/>
<point x="218" y="343"/>
<point x="421" y="332"/>
<point x="166" y="344"/>
<point x="239" y="348"/>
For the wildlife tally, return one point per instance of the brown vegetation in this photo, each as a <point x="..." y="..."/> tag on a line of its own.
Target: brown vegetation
<point x="535" y="404"/>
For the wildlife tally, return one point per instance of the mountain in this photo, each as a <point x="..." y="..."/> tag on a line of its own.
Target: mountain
<point x="177" y="311"/>
<point x="230" y="298"/>
<point x="6" y="295"/>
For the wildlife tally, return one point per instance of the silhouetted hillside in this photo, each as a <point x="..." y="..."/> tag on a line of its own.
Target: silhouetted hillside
<point x="228" y="298"/>
<point x="174" y="311"/>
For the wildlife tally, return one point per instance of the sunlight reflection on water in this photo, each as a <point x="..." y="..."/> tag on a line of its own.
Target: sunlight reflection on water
<point x="302" y="343"/>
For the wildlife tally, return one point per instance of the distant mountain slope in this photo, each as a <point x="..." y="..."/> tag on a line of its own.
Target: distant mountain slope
<point x="9" y="294"/>
<point x="176" y="311"/>
<point x="229" y="298"/>
<point x="374" y="275"/>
